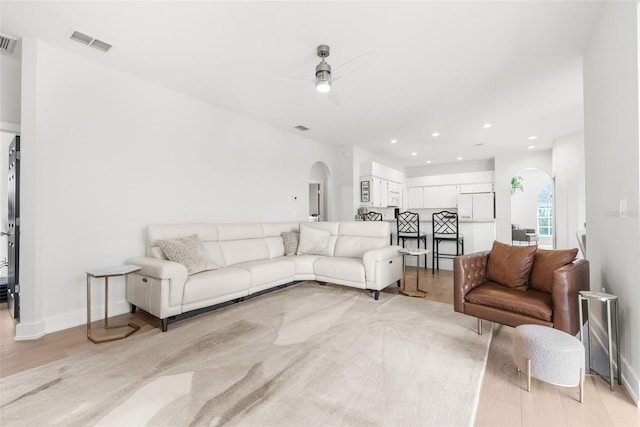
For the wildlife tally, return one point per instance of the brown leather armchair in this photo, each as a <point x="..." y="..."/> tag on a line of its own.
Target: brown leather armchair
<point x="555" y="306"/>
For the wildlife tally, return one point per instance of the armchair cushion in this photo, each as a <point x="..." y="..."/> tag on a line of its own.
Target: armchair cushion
<point x="510" y="265"/>
<point x="545" y="263"/>
<point x="537" y="304"/>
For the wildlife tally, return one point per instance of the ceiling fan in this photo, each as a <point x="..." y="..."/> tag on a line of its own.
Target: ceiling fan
<point x="324" y="76"/>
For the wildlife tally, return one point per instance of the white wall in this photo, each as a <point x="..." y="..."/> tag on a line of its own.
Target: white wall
<point x="105" y="154"/>
<point x="451" y="168"/>
<point x="569" y="197"/>
<point x="612" y="156"/>
<point x="507" y="165"/>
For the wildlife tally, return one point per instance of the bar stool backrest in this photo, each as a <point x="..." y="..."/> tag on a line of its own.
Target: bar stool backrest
<point x="446" y="223"/>
<point x="372" y="216"/>
<point x="409" y="223"/>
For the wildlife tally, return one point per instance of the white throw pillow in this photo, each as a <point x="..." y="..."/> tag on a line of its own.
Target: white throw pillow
<point x="313" y="241"/>
<point x="188" y="251"/>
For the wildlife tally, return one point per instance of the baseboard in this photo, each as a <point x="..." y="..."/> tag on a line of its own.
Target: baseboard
<point x="30" y="331"/>
<point x="33" y="331"/>
<point x="630" y="379"/>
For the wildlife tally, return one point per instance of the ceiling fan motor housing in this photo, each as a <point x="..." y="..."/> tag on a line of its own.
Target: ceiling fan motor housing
<point x="322" y="50"/>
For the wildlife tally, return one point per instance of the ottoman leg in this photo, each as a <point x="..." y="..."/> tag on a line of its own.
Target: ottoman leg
<point x="528" y="374"/>
<point x="479" y="326"/>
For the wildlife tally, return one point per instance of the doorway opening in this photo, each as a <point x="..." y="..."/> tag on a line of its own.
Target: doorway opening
<point x="532" y="208"/>
<point x="319" y="178"/>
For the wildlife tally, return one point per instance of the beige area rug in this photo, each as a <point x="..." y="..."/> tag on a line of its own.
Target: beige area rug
<point x="309" y="355"/>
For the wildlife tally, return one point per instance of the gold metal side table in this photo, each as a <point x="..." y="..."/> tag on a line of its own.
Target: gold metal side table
<point x="417" y="252"/>
<point x="120" y="270"/>
<point x="607" y="299"/>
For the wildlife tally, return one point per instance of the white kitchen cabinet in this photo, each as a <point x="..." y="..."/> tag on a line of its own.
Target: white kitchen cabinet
<point x="476" y="206"/>
<point x="485" y="187"/>
<point x="431" y="197"/>
<point x="448" y="196"/>
<point x="379" y="195"/>
<point x="415" y="196"/>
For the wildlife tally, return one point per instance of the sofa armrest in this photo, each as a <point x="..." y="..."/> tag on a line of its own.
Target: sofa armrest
<point x="469" y="271"/>
<point x="568" y="281"/>
<point x="162" y="269"/>
<point x="374" y="258"/>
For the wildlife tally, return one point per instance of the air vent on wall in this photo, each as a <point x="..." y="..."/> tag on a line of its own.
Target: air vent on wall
<point x="301" y="128"/>
<point x="89" y="41"/>
<point x="7" y="43"/>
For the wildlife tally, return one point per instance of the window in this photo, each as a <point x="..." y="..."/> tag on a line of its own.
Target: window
<point x="545" y="211"/>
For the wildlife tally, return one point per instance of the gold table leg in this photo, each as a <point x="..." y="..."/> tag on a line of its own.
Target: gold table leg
<point x="90" y="336"/>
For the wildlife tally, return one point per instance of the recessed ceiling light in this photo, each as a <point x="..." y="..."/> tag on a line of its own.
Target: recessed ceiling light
<point x="486" y="125"/>
<point x="394" y="141"/>
<point x="428" y="162"/>
<point x="459" y="158"/>
<point x="531" y="147"/>
<point x="414" y="154"/>
<point x="435" y="134"/>
<point x="532" y="137"/>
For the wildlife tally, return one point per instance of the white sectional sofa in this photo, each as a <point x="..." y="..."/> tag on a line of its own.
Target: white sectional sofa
<point x="251" y="259"/>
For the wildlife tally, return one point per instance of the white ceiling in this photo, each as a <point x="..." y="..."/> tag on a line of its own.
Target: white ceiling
<point x="441" y="66"/>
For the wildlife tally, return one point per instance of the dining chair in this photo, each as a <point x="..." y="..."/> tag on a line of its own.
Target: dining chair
<point x="445" y="228"/>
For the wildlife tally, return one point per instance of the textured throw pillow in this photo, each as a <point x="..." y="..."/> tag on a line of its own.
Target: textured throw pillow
<point x="545" y="263"/>
<point x="290" y="240"/>
<point x="510" y="265"/>
<point x="313" y="241"/>
<point x="188" y="251"/>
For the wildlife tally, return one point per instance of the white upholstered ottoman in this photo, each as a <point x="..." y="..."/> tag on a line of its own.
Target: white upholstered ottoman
<point x="550" y="355"/>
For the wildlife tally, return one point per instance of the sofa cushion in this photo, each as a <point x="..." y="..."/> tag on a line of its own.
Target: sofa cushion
<point x="269" y="270"/>
<point x="545" y="262"/>
<point x="510" y="265"/>
<point x="313" y="241"/>
<point x="188" y="251"/>
<point x="530" y="303"/>
<point x="290" y="240"/>
<point x="343" y="269"/>
<point x="210" y="285"/>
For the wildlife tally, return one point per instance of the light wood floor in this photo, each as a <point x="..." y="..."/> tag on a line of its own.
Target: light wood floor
<point x="504" y="400"/>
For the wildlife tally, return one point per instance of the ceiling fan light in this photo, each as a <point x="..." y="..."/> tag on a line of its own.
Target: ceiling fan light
<point x="323" y="86"/>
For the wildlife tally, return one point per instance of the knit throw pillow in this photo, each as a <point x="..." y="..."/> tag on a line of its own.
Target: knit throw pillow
<point x="290" y="241"/>
<point x="188" y="251"/>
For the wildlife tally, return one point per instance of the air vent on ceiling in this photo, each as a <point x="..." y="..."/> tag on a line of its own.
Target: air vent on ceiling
<point x="89" y="41"/>
<point x="301" y="128"/>
<point x="7" y="43"/>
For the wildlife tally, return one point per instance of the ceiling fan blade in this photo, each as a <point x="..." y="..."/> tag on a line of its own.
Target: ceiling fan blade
<point x="355" y="63"/>
<point x="334" y="97"/>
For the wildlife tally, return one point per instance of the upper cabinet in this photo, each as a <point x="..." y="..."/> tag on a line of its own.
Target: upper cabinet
<point x="380" y="186"/>
<point x="432" y="197"/>
<point x="377" y="192"/>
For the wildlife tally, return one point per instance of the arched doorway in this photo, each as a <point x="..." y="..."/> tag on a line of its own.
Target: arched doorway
<point x="532" y="205"/>
<point x="319" y="179"/>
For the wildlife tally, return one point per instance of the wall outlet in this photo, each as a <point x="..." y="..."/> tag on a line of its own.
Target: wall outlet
<point x="604" y="290"/>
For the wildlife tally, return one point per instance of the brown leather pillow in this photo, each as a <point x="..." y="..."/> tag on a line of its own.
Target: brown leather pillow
<point x="545" y="263"/>
<point x="510" y="265"/>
